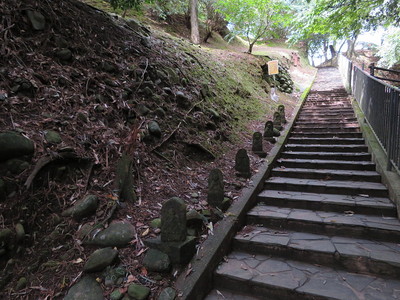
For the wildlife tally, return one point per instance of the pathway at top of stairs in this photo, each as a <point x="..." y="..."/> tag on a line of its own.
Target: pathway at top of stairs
<point x="323" y="227"/>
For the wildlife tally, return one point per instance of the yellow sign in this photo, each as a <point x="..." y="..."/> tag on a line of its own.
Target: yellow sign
<point x="273" y="67"/>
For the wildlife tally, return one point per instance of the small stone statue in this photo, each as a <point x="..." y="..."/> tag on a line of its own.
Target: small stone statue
<point x="281" y="110"/>
<point x="242" y="164"/>
<point x="277" y="121"/>
<point x="269" y="132"/>
<point x="215" y="193"/>
<point x="257" y="146"/>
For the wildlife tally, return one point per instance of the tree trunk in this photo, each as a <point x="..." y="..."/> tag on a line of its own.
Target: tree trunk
<point x="251" y="47"/>
<point x="325" y="46"/>
<point x="350" y="47"/>
<point x="333" y="51"/>
<point x="194" y="22"/>
<point x="208" y="35"/>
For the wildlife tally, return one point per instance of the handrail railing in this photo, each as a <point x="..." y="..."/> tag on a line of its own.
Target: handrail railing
<point x="380" y="103"/>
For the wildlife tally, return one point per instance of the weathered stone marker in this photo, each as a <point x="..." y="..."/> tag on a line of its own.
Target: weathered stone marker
<point x="173" y="221"/>
<point x="174" y="240"/>
<point x="242" y="163"/>
<point x="281" y="110"/>
<point x="215" y="193"/>
<point x="124" y="179"/>
<point x="277" y="121"/>
<point x="269" y="132"/>
<point x="257" y="146"/>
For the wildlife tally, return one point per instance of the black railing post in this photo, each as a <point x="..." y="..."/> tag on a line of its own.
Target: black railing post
<point x="372" y="69"/>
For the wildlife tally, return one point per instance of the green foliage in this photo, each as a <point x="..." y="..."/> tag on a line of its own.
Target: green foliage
<point x="126" y="4"/>
<point x="165" y="8"/>
<point x="254" y="19"/>
<point x="343" y="19"/>
<point x="389" y="52"/>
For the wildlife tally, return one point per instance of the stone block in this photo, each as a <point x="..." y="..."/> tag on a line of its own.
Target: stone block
<point x="179" y="252"/>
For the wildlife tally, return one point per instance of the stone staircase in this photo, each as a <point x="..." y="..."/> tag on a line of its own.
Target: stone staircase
<point x="324" y="227"/>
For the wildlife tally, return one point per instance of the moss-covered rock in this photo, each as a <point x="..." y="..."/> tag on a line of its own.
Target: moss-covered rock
<point x="138" y="292"/>
<point x="13" y="145"/>
<point x="82" y="208"/>
<point x="100" y="259"/>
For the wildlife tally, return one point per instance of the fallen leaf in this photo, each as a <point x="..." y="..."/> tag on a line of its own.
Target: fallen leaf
<point x="131" y="278"/>
<point x="146" y="232"/>
<point x="77" y="261"/>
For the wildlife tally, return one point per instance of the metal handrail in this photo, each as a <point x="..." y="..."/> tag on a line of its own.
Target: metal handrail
<point x="380" y="103"/>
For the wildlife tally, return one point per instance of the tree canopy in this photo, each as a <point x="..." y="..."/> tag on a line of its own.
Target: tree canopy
<point x="253" y="19"/>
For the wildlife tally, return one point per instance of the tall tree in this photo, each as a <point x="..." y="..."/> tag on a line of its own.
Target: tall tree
<point x="194" y="22"/>
<point x="254" y="19"/>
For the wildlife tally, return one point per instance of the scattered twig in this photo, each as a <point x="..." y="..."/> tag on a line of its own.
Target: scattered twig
<point x="143" y="74"/>
<point x="176" y="128"/>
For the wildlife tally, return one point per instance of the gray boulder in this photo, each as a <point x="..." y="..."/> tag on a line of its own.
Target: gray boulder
<point x="82" y="208"/>
<point x="115" y="235"/>
<point x="14" y="145"/>
<point x="154" y="129"/>
<point x="37" y="19"/>
<point x="86" y="289"/>
<point x="138" y="292"/>
<point x="156" y="261"/>
<point x="100" y="259"/>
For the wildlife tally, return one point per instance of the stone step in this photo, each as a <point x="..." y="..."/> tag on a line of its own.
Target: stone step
<point x="348" y="156"/>
<point x="327" y="174"/>
<point x="326" y="148"/>
<point x="317" y="103"/>
<point x="326" y="164"/>
<point x="326" y="114"/>
<point x="329" y="202"/>
<point x="325" y="125"/>
<point x="321" y="128"/>
<point x="326" y="119"/>
<point x="328" y="134"/>
<point x="326" y="141"/>
<point x="345" y="224"/>
<point x="355" y="255"/>
<point x="221" y="294"/>
<point x="327" y="108"/>
<point x="269" y="278"/>
<point x="333" y="103"/>
<point x="320" y="121"/>
<point x="327" y="186"/>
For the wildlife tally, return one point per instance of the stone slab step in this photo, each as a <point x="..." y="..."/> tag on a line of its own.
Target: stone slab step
<point x="316" y="124"/>
<point x="327" y="174"/>
<point x="279" y="279"/>
<point x="328" y="134"/>
<point x="347" y="156"/>
<point x="326" y="114"/>
<point x="327" y="108"/>
<point x="326" y="141"/>
<point x="329" y="202"/>
<point x="327" y="119"/>
<point x="326" y="164"/>
<point x="326" y="148"/>
<point x="230" y="295"/>
<point x="346" y="224"/>
<point x="354" y="255"/>
<point x="327" y="186"/>
<point x="317" y="103"/>
<point x="298" y="129"/>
